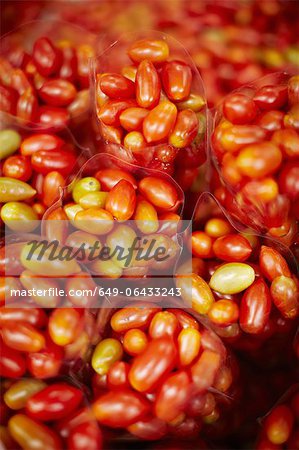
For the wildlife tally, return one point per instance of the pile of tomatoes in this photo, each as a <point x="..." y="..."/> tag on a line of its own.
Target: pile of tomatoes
<point x="101" y="148"/>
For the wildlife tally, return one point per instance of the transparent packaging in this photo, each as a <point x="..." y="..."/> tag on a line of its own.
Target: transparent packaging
<point x="180" y="149"/>
<point x="45" y="75"/>
<point x="244" y="285"/>
<point x="254" y="150"/>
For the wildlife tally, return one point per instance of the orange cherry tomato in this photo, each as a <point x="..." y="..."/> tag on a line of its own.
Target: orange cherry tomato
<point x="176" y="79"/>
<point x="159" y="122"/>
<point x="148" y="86"/>
<point x="116" y="86"/>
<point x="155" y="362"/>
<point x="159" y="192"/>
<point x="121" y="200"/>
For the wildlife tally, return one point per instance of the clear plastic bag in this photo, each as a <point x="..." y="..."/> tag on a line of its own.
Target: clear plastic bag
<point x="126" y="207"/>
<point x="185" y="151"/>
<point x="27" y="406"/>
<point x="33" y="166"/>
<point x="45" y="75"/>
<point x="254" y="148"/>
<point x="280" y="425"/>
<point x="245" y="286"/>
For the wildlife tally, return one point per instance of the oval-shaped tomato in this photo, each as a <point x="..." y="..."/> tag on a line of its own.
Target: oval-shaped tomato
<point x="155" y="362"/>
<point x="54" y="402"/>
<point x="120" y="408"/>
<point x="148" y="86"/>
<point x="255" y="307"/>
<point x="57" y="92"/>
<point x="121" y="200"/>
<point x="176" y="79"/>
<point x="116" y="86"/>
<point x="44" y="161"/>
<point x="173" y="396"/>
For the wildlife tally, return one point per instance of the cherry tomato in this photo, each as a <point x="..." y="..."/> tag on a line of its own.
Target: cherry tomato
<point x="54" y="402"/>
<point x="148" y="86"/>
<point x="57" y="92"/>
<point x="176" y="79"/>
<point x="239" y="109"/>
<point x="46" y="57"/>
<point x="117" y="86"/>
<point x="85" y="435"/>
<point x="120" y="408"/>
<point x="159" y="122"/>
<point x="255" y="307"/>
<point x="121" y="200"/>
<point x="31" y="434"/>
<point x="45" y="161"/>
<point x="17" y="167"/>
<point x="154" y="363"/>
<point x="173" y="396"/>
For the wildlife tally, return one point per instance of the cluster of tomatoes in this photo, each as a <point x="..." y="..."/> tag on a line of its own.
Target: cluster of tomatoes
<point x="85" y="371"/>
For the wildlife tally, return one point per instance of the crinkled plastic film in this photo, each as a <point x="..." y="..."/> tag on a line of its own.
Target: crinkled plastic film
<point x="239" y="330"/>
<point x="187" y="166"/>
<point x="277" y="215"/>
<point x="17" y="46"/>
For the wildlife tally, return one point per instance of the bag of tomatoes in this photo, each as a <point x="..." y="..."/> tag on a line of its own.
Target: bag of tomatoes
<point x="149" y="105"/>
<point x="129" y="211"/>
<point x="160" y="374"/>
<point x="243" y="285"/>
<point x="255" y="149"/>
<point x="44" y="76"/>
<point x="280" y="427"/>
<point x="34" y="166"/>
<point x="28" y="403"/>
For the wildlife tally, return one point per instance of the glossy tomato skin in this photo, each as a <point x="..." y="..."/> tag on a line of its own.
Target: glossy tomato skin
<point x="271" y="97"/>
<point x="173" y="396"/>
<point x="29" y="433"/>
<point x="255" y="307"/>
<point x="54" y="402"/>
<point x="86" y="435"/>
<point x="17" y="167"/>
<point x="8" y="99"/>
<point x="23" y="337"/>
<point x="156" y="51"/>
<point x="272" y="263"/>
<point x="35" y="316"/>
<point x="47" y="362"/>
<point x="52" y="184"/>
<point x="57" y="92"/>
<point x="110" y="112"/>
<point x="159" y="122"/>
<point x="12" y="364"/>
<point x="159" y="192"/>
<point x="232" y="248"/>
<point x="117" y="86"/>
<point x="176" y="79"/>
<point x="121" y="200"/>
<point x="239" y="109"/>
<point x="44" y="161"/>
<point x="47" y="58"/>
<point x="149" y="428"/>
<point x="120" y="408"/>
<point x="68" y="69"/>
<point x="154" y="363"/>
<point x="27" y="106"/>
<point x="148" y="85"/>
<point x="130" y="317"/>
<point x="53" y="117"/>
<point x="185" y="129"/>
<point x="41" y="141"/>
<point x="289" y="180"/>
